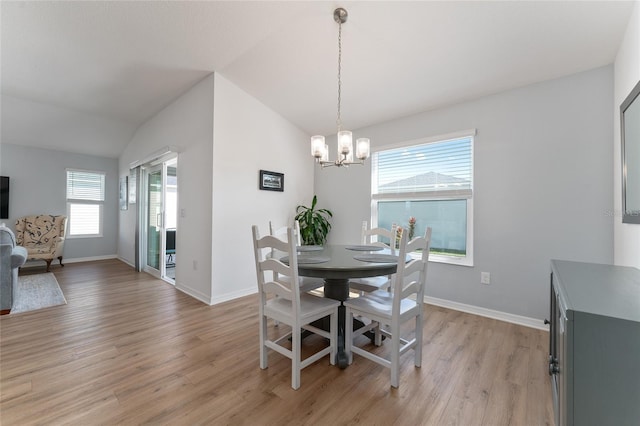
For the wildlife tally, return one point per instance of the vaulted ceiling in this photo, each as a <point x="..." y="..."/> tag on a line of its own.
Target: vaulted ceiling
<point x="71" y="68"/>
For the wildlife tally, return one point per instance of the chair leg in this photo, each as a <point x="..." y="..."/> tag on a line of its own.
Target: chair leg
<point x="348" y="334"/>
<point x="377" y="336"/>
<point x="295" y="361"/>
<point x="395" y="356"/>
<point x="333" y="319"/>
<point x="263" y="337"/>
<point x="418" y="348"/>
<point x="48" y="263"/>
<point x="60" y="259"/>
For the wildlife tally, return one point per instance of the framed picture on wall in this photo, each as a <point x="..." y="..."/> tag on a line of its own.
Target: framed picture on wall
<point x="132" y="186"/>
<point x="124" y="192"/>
<point x="271" y="181"/>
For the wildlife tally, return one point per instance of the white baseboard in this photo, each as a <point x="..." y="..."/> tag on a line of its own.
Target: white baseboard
<point x="89" y="259"/>
<point x="193" y="293"/>
<point x="471" y="309"/>
<point x="234" y="295"/>
<point x="123" y="260"/>
<point x="489" y="313"/>
<point x="39" y="263"/>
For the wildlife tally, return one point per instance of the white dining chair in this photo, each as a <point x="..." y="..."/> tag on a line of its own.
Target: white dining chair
<point x="291" y="307"/>
<point x="373" y="237"/>
<point x="392" y="309"/>
<point x="306" y="283"/>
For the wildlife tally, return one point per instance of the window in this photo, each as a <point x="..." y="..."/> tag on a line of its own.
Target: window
<point x="85" y="200"/>
<point x="432" y="181"/>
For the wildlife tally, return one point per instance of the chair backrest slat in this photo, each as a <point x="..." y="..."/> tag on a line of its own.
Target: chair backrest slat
<point x="281" y="232"/>
<point x="280" y="289"/>
<point x="284" y="276"/>
<point x="371" y="236"/>
<point x="402" y="289"/>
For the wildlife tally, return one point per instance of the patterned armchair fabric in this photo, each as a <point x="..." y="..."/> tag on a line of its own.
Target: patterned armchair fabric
<point x="42" y="236"/>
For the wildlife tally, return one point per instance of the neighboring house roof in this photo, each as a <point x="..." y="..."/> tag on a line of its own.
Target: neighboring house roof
<point x="424" y="180"/>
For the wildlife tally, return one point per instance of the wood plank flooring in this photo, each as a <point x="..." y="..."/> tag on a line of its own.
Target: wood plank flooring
<point x="130" y="349"/>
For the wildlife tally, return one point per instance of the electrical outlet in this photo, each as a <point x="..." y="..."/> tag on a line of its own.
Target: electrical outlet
<point x="485" y="278"/>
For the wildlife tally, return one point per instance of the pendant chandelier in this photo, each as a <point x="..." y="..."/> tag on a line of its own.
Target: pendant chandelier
<point x="319" y="149"/>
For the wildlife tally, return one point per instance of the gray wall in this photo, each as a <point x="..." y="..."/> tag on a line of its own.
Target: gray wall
<point x="626" y="76"/>
<point x="543" y="187"/>
<point x="38" y="186"/>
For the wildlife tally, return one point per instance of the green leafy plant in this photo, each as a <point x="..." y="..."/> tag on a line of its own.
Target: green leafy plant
<point x="314" y="223"/>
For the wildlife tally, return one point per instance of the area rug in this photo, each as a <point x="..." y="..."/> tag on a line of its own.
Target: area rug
<point x="36" y="292"/>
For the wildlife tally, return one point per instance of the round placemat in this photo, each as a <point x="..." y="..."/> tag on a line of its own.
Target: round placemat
<point x="364" y="248"/>
<point x="307" y="260"/>
<point x="377" y="258"/>
<point x="309" y="248"/>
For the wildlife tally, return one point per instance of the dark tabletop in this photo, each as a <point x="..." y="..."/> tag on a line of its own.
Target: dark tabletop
<point x="342" y="265"/>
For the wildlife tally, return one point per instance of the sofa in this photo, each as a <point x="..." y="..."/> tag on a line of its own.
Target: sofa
<point x="12" y="257"/>
<point x="43" y="236"/>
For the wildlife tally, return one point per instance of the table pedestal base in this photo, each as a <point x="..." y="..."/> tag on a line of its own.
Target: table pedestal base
<point x="338" y="289"/>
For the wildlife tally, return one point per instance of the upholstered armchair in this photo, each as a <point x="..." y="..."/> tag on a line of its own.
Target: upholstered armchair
<point x="42" y="236"/>
<point x="12" y="257"/>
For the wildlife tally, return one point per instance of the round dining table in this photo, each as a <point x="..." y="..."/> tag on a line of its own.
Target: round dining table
<point x="336" y="264"/>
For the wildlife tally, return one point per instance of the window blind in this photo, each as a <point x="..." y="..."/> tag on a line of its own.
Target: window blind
<point x="443" y="166"/>
<point x="84" y="185"/>
<point x="85" y="219"/>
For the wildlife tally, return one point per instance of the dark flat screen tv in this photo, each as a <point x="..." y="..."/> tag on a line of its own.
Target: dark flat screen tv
<point x="4" y="197"/>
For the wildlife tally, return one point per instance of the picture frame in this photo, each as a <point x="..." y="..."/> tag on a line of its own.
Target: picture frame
<point x="132" y="186"/>
<point x="630" y="150"/>
<point x="271" y="181"/>
<point x="124" y="192"/>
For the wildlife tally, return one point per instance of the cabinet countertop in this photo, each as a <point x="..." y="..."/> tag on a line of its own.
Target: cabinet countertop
<point x="599" y="289"/>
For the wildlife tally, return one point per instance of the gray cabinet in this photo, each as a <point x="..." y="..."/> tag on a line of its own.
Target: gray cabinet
<point x="594" y="351"/>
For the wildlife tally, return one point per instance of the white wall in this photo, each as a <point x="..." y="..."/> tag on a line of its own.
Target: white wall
<point x="543" y="179"/>
<point x="38" y="182"/>
<point x="249" y="137"/>
<point x="226" y="136"/>
<point x="627" y="75"/>
<point x="187" y="123"/>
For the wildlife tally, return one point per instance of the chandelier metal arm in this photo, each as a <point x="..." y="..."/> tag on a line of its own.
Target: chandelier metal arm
<point x="339" y="163"/>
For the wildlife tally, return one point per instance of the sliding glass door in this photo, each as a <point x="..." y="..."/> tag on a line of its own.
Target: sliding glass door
<point x="154" y="218"/>
<point x="170" y="257"/>
<point x="159" y="234"/>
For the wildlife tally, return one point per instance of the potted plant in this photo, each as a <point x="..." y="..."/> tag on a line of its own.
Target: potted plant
<point x="314" y="224"/>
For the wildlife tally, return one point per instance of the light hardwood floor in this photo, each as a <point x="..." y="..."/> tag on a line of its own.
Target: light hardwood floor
<point x="130" y="349"/>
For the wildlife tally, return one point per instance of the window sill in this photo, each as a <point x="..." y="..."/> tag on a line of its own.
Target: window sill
<point x="73" y="237"/>
<point x="451" y="260"/>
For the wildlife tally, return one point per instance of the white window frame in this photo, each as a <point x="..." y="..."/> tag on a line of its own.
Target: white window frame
<point x="466" y="260"/>
<point x="99" y="203"/>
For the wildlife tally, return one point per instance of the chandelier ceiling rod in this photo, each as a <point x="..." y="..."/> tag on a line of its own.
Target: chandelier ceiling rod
<point x="340" y="16"/>
<point x="319" y="149"/>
